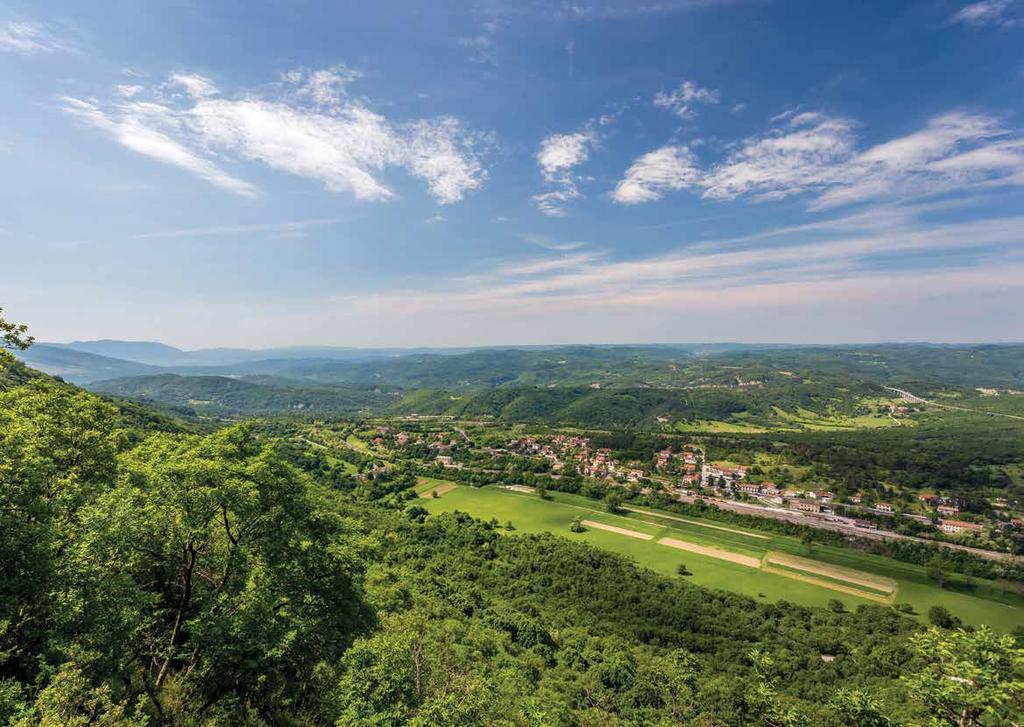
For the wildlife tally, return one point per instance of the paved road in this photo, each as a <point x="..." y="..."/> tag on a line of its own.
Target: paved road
<point x="914" y="399"/>
<point x="800" y="518"/>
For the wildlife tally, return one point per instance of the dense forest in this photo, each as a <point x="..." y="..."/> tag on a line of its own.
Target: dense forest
<point x="152" y="573"/>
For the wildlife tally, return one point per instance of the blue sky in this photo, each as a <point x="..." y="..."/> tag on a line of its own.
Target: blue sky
<point x="460" y="173"/>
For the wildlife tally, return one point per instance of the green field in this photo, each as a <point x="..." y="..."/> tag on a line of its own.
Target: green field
<point x="981" y="603"/>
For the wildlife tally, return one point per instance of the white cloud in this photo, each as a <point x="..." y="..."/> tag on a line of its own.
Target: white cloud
<point x="655" y="173"/>
<point x="136" y="127"/>
<point x="325" y="87"/>
<point x="557" y="156"/>
<point x="441" y="152"/>
<point x="343" y="150"/>
<point x="560" y="152"/>
<point x="986" y="12"/>
<point x="311" y="129"/>
<point x="554" y="203"/>
<point x="27" y="38"/>
<point x="194" y="85"/>
<point x="816" y="154"/>
<point x="785" y="161"/>
<point x="682" y="100"/>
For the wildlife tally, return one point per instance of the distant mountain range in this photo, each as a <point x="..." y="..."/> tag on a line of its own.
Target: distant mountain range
<point x="85" y="362"/>
<point x="597" y="384"/>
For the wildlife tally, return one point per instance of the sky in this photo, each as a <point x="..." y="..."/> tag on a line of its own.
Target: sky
<point x="441" y="173"/>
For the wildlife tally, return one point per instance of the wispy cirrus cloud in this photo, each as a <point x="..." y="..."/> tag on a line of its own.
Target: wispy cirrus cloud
<point x="287" y="229"/>
<point x="816" y="154"/>
<point x="683" y="100"/>
<point x="309" y="128"/>
<point x="851" y="248"/>
<point x="150" y="130"/>
<point x="30" y="38"/>
<point x="816" y="272"/>
<point x="986" y="12"/>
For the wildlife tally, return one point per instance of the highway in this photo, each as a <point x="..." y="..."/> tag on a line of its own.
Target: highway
<point x="914" y="399"/>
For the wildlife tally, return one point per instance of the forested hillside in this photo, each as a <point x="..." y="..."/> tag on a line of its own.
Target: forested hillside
<point x="150" y="575"/>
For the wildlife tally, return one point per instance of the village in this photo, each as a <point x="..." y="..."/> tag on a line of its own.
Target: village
<point x="684" y="472"/>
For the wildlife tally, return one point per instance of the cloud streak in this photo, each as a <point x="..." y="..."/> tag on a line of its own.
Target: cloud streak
<point x="311" y="128"/>
<point x="816" y="155"/>
<point x="986" y="12"/>
<point x="29" y="38"/>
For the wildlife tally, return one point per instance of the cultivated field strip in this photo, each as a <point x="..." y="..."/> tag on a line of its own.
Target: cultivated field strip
<point x="882" y="584"/>
<point x="831" y="585"/>
<point x="621" y="531"/>
<point x="712" y="552"/>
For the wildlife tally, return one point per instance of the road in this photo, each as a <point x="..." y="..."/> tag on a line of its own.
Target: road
<point x="813" y="521"/>
<point x="914" y="399"/>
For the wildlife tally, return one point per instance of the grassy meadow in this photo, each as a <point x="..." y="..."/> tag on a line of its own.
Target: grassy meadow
<point x="976" y="603"/>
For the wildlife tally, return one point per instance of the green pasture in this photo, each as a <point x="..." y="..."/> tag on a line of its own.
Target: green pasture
<point x="977" y="603"/>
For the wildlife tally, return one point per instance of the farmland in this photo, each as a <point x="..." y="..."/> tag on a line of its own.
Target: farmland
<point x="790" y="571"/>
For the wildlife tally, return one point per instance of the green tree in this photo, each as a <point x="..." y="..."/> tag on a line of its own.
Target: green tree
<point x="857" y="708"/>
<point x="214" y="576"/>
<point x="613" y="501"/>
<point x="762" y="697"/>
<point x="58" y="451"/>
<point x="941" y="617"/>
<point x="14" y="336"/>
<point x="968" y="678"/>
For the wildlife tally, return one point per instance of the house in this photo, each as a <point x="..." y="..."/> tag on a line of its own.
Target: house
<point x="948" y="510"/>
<point x="824" y="496"/>
<point x="444" y="459"/>
<point x="769" y="489"/>
<point x="857" y="499"/>
<point x="805" y="505"/>
<point x="750" y="488"/>
<point x="928" y="498"/>
<point x="957" y="526"/>
<point x="885" y="507"/>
